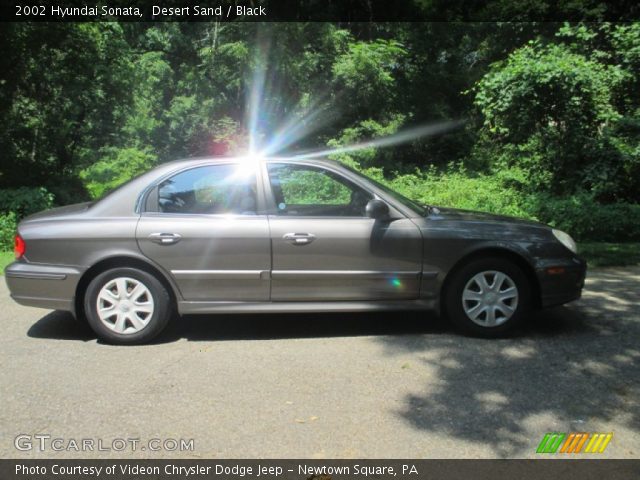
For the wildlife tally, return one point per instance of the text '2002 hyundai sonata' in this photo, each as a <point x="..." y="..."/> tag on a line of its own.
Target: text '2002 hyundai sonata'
<point x="232" y="235"/>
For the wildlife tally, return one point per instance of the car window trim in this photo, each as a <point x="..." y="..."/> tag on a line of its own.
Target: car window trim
<point x="208" y="215"/>
<point x="151" y="202"/>
<point x="315" y="217"/>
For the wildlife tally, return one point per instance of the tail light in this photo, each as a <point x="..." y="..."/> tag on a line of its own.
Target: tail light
<point x="19" y="247"/>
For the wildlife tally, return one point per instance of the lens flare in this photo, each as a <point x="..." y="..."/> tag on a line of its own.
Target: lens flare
<point x="274" y="124"/>
<point x="301" y="123"/>
<point x="403" y="136"/>
<point x="247" y="167"/>
<point x="255" y="107"/>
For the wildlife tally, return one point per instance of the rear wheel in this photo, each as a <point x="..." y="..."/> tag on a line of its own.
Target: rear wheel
<point x="488" y="297"/>
<point x="127" y="306"/>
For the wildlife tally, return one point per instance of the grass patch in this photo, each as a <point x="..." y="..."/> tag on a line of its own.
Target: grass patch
<point x="5" y="259"/>
<point x="604" y="254"/>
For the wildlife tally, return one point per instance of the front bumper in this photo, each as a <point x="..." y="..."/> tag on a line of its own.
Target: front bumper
<point x="43" y="286"/>
<point x="561" y="280"/>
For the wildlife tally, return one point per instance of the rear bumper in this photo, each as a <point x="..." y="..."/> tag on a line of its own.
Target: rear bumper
<point x="558" y="288"/>
<point x="43" y="286"/>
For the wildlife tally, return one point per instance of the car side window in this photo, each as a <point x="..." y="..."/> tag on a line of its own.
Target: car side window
<point x="212" y="189"/>
<point x="303" y="190"/>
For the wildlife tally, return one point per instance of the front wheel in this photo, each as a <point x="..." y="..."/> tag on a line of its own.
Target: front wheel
<point x="488" y="297"/>
<point x="127" y="306"/>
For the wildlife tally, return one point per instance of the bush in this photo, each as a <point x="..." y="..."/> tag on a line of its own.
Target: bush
<point x="557" y="113"/>
<point x="585" y="219"/>
<point x="24" y="201"/>
<point x="116" y="167"/>
<point x="580" y="215"/>
<point x="67" y="190"/>
<point x="8" y="224"/>
<point x="17" y="203"/>
<point x="460" y="190"/>
<point x="455" y="187"/>
<point x="367" y="71"/>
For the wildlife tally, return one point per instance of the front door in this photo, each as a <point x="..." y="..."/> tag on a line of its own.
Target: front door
<point x="326" y="249"/>
<point x="203" y="228"/>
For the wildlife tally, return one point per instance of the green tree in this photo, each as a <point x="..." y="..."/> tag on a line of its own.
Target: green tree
<point x="551" y="111"/>
<point x="114" y="168"/>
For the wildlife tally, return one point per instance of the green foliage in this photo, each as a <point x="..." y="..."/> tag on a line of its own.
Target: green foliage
<point x="8" y="225"/>
<point x="155" y="79"/>
<point x="67" y="89"/>
<point x="368" y="71"/>
<point x="580" y="214"/>
<point x="553" y="111"/>
<point x="115" y="168"/>
<point x="5" y="259"/>
<point x="17" y="203"/>
<point x="586" y="219"/>
<point x="604" y="254"/>
<point x="24" y="201"/>
<point x="544" y="110"/>
<point x="566" y="114"/>
<point x="364" y="131"/>
<point x="368" y="67"/>
<point x="457" y="188"/>
<point x="226" y="135"/>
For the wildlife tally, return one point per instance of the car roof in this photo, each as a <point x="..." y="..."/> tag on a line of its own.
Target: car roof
<point x="213" y="160"/>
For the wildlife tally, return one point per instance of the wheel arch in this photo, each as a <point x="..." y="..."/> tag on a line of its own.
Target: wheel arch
<point x="120" y="261"/>
<point x="501" y="252"/>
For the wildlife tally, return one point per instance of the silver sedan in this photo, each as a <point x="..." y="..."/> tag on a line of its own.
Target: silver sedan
<point x="280" y="235"/>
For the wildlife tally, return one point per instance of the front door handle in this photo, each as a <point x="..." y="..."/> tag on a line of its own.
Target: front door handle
<point x="165" y="238"/>
<point x="299" y="238"/>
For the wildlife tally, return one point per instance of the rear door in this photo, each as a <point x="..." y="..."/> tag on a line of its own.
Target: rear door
<point x="324" y="246"/>
<point x="202" y="226"/>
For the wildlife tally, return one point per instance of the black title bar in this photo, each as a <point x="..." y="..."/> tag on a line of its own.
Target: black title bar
<point x="318" y="10"/>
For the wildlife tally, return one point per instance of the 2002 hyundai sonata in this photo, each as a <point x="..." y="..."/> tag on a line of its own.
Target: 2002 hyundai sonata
<point x="280" y="235"/>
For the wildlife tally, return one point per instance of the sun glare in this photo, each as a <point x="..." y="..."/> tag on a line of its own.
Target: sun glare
<point x="269" y="134"/>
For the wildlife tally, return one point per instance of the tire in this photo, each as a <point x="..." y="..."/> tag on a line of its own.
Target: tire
<point x="480" y="299"/>
<point x="129" y="318"/>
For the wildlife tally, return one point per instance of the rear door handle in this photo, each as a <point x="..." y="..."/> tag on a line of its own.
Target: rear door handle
<point x="165" y="238"/>
<point x="299" y="238"/>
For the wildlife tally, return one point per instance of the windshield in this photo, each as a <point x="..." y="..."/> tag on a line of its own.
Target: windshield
<point x="407" y="202"/>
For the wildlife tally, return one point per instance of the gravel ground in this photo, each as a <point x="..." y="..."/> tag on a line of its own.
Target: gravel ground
<point x="397" y="385"/>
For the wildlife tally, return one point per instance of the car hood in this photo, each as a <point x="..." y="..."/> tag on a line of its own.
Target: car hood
<point x="59" y="212"/>
<point x="455" y="214"/>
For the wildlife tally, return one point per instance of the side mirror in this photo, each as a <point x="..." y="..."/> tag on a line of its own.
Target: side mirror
<point x="377" y="209"/>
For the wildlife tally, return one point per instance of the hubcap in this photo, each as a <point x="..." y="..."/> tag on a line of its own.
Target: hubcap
<point x="125" y="305"/>
<point x="490" y="298"/>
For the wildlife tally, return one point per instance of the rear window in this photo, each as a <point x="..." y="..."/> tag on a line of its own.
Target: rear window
<point x="211" y="189"/>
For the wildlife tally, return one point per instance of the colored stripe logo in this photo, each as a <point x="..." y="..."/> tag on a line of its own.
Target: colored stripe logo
<point x="575" y="442"/>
